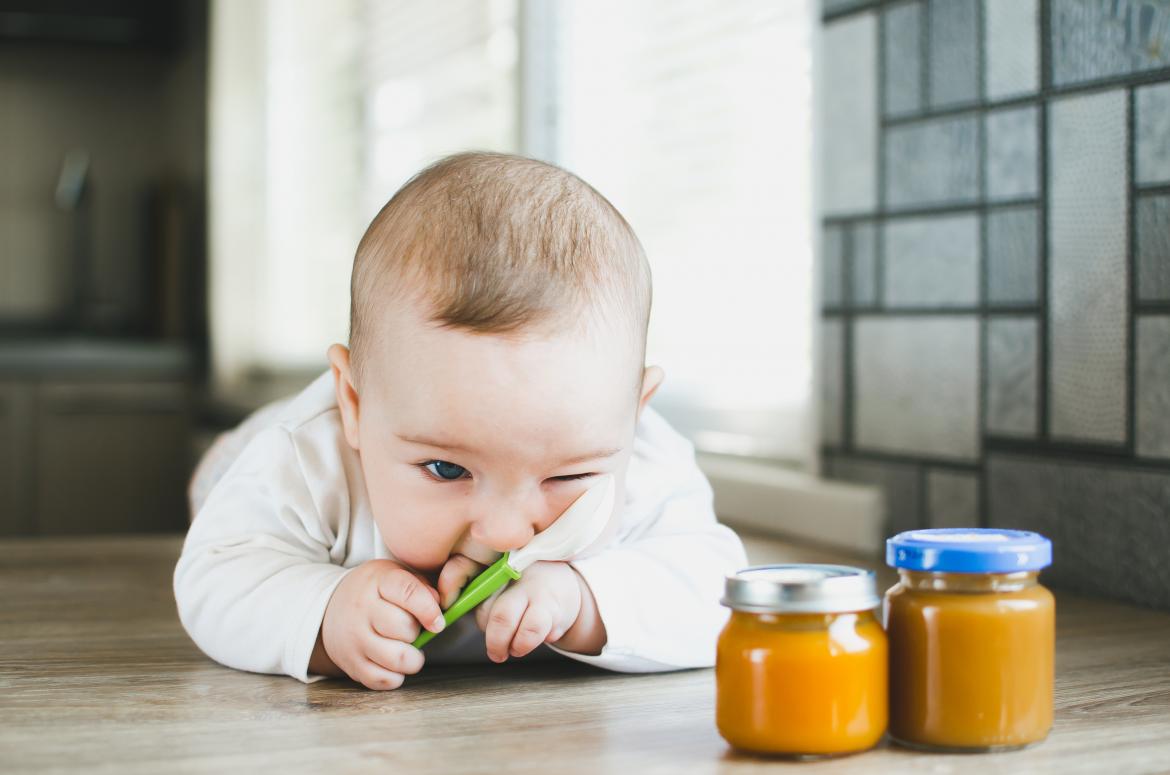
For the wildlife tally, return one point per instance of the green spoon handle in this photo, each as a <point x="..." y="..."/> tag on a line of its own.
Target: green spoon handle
<point x="499" y="574"/>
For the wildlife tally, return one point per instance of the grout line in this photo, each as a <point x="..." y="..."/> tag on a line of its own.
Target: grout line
<point x="1067" y="451"/>
<point x="832" y="16"/>
<point x="1043" y="372"/>
<point x="877" y="456"/>
<point x="1131" y="274"/>
<point x="923" y="498"/>
<point x="924" y="45"/>
<point x="1151" y="189"/>
<point x="983" y="252"/>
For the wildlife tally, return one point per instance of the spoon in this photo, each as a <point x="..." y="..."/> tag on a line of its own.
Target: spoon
<point x="573" y="531"/>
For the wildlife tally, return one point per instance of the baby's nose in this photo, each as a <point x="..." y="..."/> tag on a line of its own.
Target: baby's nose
<point x="504" y="530"/>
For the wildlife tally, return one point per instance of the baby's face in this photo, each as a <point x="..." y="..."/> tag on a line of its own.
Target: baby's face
<point x="473" y="443"/>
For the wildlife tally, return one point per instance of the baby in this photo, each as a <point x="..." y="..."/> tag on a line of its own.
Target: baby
<point x="496" y="366"/>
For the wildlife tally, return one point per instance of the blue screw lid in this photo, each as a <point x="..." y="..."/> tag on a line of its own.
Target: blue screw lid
<point x="969" y="550"/>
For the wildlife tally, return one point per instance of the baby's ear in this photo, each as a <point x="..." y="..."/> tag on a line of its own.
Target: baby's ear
<point x="347" y="395"/>
<point x="652" y="378"/>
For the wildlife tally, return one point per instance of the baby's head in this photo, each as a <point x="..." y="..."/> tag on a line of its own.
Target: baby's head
<point x="497" y="343"/>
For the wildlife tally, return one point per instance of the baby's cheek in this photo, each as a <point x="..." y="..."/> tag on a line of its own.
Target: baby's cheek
<point x="418" y="540"/>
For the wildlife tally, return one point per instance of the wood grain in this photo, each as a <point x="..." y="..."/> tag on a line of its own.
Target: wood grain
<point x="97" y="675"/>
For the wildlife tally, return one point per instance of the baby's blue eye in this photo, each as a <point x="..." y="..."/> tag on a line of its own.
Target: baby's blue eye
<point x="446" y="471"/>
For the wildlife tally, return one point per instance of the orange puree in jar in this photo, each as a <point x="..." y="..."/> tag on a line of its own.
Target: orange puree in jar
<point x="799" y="682"/>
<point x="971" y="652"/>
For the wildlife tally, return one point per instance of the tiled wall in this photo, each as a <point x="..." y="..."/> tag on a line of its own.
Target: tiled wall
<point x="996" y="255"/>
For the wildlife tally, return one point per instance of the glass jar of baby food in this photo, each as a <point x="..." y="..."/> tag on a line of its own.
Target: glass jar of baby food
<point x="971" y="639"/>
<point x="801" y="665"/>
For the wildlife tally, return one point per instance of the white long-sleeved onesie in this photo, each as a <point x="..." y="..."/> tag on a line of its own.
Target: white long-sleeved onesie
<point x="289" y="517"/>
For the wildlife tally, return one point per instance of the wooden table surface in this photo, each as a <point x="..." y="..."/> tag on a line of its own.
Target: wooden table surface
<point x="97" y="675"/>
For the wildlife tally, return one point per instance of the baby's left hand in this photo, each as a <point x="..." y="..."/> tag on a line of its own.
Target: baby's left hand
<point x="539" y="608"/>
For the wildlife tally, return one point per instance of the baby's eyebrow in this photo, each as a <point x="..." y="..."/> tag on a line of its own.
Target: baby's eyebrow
<point x="601" y="453"/>
<point x="443" y="444"/>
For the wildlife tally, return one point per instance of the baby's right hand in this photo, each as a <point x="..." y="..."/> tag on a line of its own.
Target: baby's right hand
<point x="372" y="619"/>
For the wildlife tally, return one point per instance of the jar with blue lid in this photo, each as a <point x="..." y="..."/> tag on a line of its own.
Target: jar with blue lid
<point x="971" y="638"/>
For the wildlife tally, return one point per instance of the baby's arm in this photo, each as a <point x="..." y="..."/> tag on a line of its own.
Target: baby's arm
<point x="262" y="562"/>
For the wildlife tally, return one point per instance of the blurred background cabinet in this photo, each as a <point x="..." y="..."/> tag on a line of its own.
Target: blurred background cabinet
<point x="111" y="457"/>
<point x="95" y="437"/>
<point x="16" y="445"/>
<point x="103" y="332"/>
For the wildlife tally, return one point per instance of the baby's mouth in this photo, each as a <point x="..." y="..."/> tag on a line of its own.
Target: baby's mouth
<point x="480" y="554"/>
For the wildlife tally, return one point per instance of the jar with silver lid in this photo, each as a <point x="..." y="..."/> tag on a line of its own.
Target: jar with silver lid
<point x="801" y="664"/>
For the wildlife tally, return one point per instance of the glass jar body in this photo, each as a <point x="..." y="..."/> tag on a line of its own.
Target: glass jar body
<point x="971" y="660"/>
<point x="805" y="685"/>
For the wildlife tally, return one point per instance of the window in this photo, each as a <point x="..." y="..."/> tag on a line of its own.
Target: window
<point x="437" y="78"/>
<point x="319" y="112"/>
<point x="695" y="118"/>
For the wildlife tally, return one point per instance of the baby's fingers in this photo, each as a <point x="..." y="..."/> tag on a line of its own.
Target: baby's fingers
<point x="407" y="591"/>
<point x="373" y="676"/>
<point x="484" y="610"/>
<point x="390" y="621"/>
<point x="454" y="576"/>
<point x="502" y="621"/>
<point x="394" y="655"/>
<point x="534" y="628"/>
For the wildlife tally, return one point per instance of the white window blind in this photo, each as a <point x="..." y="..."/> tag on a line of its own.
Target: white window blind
<point x="319" y="112"/>
<point x="284" y="140"/>
<point x="438" y="78"/>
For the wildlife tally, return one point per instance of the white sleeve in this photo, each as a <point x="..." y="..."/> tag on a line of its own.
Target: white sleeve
<point x="259" y="564"/>
<point x="658" y="587"/>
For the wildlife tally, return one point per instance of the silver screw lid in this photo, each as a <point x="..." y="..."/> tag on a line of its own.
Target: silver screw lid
<point x="801" y="588"/>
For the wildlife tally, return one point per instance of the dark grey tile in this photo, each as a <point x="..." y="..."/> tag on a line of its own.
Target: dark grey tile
<point x="902" y="54"/>
<point x="849" y="121"/>
<point x="916" y="387"/>
<point x="1013" y="158"/>
<point x="832" y="266"/>
<point x="1090" y="40"/>
<point x="1013" y="248"/>
<point x="1108" y="525"/>
<point x="954" y="35"/>
<point x="1011" y="34"/>
<point x="901" y="484"/>
<point x="1094" y="39"/>
<point x="864" y="270"/>
<point x="952" y="498"/>
<point x="1149" y="31"/>
<point x="1153" y="248"/>
<point x="1152" y="133"/>
<point x="832" y="380"/>
<point x="932" y="162"/>
<point x="931" y="261"/>
<point x="1087" y="279"/>
<point x="1012" y="381"/>
<point x="1153" y="388"/>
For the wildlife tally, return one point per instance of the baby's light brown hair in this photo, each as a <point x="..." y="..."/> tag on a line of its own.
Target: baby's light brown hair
<point x="499" y="244"/>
